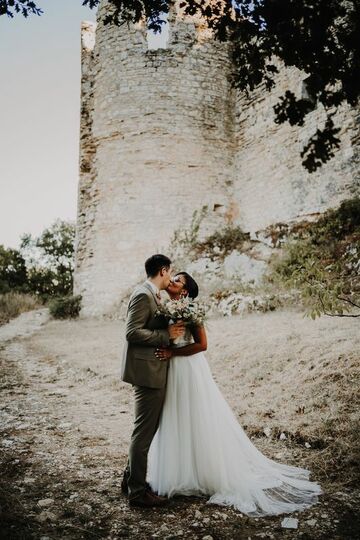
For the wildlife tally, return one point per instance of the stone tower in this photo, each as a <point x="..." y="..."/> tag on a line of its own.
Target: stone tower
<point x="155" y="143"/>
<point x="163" y="133"/>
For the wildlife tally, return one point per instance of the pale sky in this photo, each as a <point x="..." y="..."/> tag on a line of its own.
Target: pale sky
<point x="39" y="117"/>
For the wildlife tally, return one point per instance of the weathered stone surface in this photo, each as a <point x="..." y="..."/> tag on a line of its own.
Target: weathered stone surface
<point x="156" y="131"/>
<point x="163" y="133"/>
<point x="270" y="184"/>
<point x="247" y="269"/>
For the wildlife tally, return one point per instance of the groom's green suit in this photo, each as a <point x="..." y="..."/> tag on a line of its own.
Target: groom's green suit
<point x="144" y="332"/>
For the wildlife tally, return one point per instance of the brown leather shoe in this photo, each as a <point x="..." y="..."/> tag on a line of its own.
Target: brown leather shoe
<point x="155" y="495"/>
<point x="147" y="500"/>
<point x="125" y="489"/>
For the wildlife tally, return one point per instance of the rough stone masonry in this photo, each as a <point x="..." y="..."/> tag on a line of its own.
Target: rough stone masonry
<point x="163" y="133"/>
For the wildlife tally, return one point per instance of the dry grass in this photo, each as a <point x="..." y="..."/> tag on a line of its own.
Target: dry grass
<point x="298" y="377"/>
<point x="68" y="419"/>
<point x="277" y="370"/>
<point x="13" y="304"/>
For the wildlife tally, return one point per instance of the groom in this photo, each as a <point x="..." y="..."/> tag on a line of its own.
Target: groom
<point x="144" y="333"/>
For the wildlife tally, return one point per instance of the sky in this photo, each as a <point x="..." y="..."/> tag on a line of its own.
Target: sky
<point x="39" y="117"/>
<point x="40" y="73"/>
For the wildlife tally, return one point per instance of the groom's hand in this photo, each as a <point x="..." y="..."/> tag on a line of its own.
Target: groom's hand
<point x="164" y="354"/>
<point x="176" y="330"/>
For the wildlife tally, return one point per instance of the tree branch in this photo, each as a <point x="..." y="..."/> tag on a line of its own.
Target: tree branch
<point x="335" y="314"/>
<point x="347" y="300"/>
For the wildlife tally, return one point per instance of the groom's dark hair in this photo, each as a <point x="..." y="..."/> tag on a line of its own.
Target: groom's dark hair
<point x="155" y="263"/>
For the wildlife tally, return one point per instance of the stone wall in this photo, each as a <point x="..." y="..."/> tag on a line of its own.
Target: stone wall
<point x="88" y="194"/>
<point x="161" y="128"/>
<point x="270" y="183"/>
<point x="163" y="133"/>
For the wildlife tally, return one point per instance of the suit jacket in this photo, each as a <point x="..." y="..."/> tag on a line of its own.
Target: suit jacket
<point x="144" y="333"/>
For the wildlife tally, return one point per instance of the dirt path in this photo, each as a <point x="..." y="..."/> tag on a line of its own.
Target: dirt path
<point x="24" y="325"/>
<point x="66" y="423"/>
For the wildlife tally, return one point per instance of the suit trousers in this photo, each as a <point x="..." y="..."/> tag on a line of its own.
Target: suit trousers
<point x="148" y="406"/>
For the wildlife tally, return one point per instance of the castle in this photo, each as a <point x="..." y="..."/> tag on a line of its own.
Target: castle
<point x="164" y="133"/>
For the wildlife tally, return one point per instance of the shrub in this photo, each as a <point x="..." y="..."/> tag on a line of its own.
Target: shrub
<point x="220" y="243"/>
<point x="226" y="240"/>
<point x="186" y="238"/>
<point x="337" y="223"/>
<point x="65" y="307"/>
<point x="323" y="262"/>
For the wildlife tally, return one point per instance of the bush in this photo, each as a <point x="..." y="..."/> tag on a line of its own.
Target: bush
<point x="65" y="307"/>
<point x="225" y="240"/>
<point x="220" y="243"/>
<point x="322" y="261"/>
<point x="337" y="223"/>
<point x="187" y="238"/>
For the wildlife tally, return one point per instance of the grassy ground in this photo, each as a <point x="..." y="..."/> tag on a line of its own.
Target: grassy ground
<point x="67" y="420"/>
<point x="13" y="304"/>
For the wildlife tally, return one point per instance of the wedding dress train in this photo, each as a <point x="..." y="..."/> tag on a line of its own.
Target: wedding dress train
<point x="200" y="448"/>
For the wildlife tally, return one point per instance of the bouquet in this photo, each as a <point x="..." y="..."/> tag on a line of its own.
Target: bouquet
<point x="185" y="309"/>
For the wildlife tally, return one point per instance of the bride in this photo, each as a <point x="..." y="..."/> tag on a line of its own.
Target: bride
<point x="200" y="448"/>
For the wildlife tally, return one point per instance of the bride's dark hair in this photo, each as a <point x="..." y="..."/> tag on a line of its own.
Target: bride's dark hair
<point x="191" y="285"/>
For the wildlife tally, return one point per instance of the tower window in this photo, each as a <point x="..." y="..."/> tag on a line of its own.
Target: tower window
<point x="159" y="40"/>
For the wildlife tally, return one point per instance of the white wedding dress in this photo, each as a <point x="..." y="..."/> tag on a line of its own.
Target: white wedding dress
<point x="200" y="449"/>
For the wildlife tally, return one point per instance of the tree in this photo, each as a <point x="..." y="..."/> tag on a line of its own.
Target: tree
<point x="319" y="37"/>
<point x="25" y="7"/>
<point x="50" y="259"/>
<point x="13" y="275"/>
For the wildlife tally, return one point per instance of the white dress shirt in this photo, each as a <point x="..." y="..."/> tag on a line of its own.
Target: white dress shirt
<point x="154" y="287"/>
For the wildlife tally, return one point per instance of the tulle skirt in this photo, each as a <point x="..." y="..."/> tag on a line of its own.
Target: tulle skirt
<point x="201" y="449"/>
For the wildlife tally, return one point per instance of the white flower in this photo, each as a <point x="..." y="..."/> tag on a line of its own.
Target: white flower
<point x="184" y="309"/>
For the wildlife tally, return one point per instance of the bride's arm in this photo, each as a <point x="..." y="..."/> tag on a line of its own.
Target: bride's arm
<point x="199" y="345"/>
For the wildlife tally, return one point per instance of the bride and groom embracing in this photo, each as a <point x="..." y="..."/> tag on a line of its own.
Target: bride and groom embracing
<point x="186" y="439"/>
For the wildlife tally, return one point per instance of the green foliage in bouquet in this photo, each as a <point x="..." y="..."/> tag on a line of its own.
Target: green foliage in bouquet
<point x="322" y="261"/>
<point x="184" y="309"/>
<point x="65" y="307"/>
